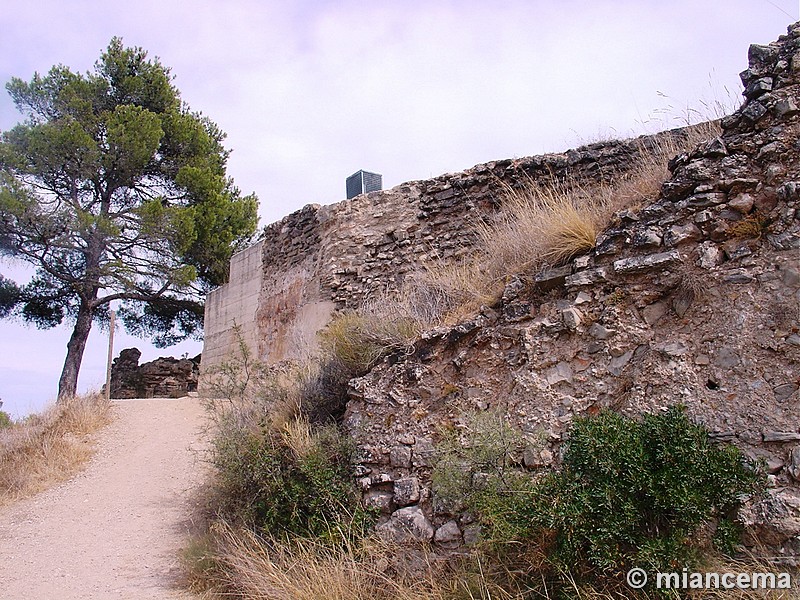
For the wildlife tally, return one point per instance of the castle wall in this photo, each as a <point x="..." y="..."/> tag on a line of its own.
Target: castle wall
<point x="283" y="290"/>
<point x="693" y="300"/>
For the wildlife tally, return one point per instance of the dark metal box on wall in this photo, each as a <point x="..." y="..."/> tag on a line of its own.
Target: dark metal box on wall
<point x="362" y="182"/>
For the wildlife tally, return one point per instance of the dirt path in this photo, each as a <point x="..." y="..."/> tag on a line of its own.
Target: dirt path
<point x="115" y="530"/>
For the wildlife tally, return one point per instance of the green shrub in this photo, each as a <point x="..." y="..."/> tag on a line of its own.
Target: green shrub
<point x="637" y="493"/>
<point x="293" y="481"/>
<point x="5" y="420"/>
<point x="478" y="471"/>
<point x="241" y="377"/>
<point x="477" y="462"/>
<point x="630" y="493"/>
<point x="281" y="464"/>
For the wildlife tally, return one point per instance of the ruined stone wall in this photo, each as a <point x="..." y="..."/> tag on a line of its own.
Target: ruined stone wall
<point x="694" y="300"/>
<point x="165" y="377"/>
<point x="320" y="258"/>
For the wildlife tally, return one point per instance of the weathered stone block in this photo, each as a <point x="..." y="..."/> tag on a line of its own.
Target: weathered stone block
<point x="784" y="391"/>
<point x="681" y="234"/>
<point x="600" y="332"/>
<point x="571" y="317"/>
<point x="448" y="535"/>
<point x="648" y="238"/>
<point x="407" y="524"/>
<point x="617" y="364"/>
<point x="552" y="278"/>
<point x="588" y="277"/>
<point x="400" y="456"/>
<point x="559" y="373"/>
<point x="406" y="491"/>
<point x="754" y="111"/>
<point x="781" y="436"/>
<point x="742" y="203"/>
<point x="638" y="264"/>
<point x="379" y="500"/>
<point x="793" y="466"/>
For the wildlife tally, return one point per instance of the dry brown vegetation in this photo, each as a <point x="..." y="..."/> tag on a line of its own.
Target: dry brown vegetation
<point x="359" y="339"/>
<point x="235" y="562"/>
<point x="251" y="567"/>
<point x="544" y="225"/>
<point x="45" y="449"/>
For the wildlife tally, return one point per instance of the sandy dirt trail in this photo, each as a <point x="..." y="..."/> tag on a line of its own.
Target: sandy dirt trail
<point x="116" y="529"/>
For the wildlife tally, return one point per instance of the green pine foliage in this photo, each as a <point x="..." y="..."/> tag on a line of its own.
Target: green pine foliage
<point x="112" y="189"/>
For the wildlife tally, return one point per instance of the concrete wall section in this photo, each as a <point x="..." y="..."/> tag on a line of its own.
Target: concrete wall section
<point x="235" y="303"/>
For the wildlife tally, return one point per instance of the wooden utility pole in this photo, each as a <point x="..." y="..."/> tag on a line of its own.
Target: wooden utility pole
<point x="110" y="353"/>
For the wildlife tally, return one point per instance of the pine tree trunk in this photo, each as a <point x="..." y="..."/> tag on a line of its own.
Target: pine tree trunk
<point x="68" y="384"/>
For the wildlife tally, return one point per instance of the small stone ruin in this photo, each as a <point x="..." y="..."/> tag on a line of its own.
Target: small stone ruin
<point x="164" y="377"/>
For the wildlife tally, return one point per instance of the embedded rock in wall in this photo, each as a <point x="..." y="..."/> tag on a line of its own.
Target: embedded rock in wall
<point x="693" y="300"/>
<point x="161" y="378"/>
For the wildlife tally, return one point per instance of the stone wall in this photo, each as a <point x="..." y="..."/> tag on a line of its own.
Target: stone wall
<point x="164" y="377"/>
<point x="322" y="258"/>
<point x="694" y="300"/>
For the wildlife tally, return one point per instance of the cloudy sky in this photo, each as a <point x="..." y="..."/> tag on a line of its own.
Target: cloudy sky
<point x="311" y="91"/>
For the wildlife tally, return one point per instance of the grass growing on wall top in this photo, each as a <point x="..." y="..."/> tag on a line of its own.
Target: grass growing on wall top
<point x="546" y="224"/>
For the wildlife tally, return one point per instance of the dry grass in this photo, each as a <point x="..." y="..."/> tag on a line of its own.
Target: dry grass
<point x="230" y="562"/>
<point x="464" y="285"/>
<point x="749" y="563"/>
<point x="642" y="183"/>
<point x="48" y="448"/>
<point x="546" y="224"/>
<point x="359" y="339"/>
<point x="752" y="227"/>
<point x="237" y="563"/>
<point x="541" y="226"/>
<point x="298" y="437"/>
<point x="249" y="567"/>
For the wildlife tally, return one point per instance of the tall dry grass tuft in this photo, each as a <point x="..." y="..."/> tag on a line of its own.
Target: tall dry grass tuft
<point x="298" y="437"/>
<point x="539" y="226"/>
<point x="542" y="225"/>
<point x="250" y="567"/>
<point x="642" y="183"/>
<point x="546" y="224"/>
<point x="359" y="339"/>
<point x="48" y="448"/>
